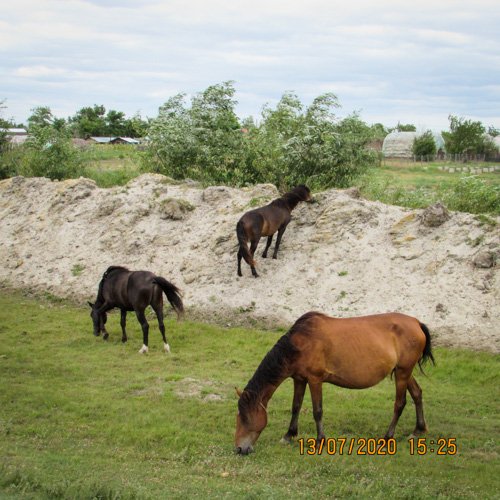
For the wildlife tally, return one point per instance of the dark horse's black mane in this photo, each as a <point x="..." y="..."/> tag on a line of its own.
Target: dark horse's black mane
<point x="107" y="273"/>
<point x="293" y="197"/>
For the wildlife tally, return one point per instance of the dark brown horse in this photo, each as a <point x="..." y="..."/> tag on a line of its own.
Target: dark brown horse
<point x="265" y="221"/>
<point x="353" y="352"/>
<point x="133" y="291"/>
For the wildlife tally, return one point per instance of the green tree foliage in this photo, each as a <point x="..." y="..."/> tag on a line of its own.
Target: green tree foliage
<point x="408" y="127"/>
<point x="467" y="137"/>
<point x="204" y="141"/>
<point x="292" y="144"/>
<point x="48" y="152"/>
<point x="424" y="145"/>
<point x="89" y="121"/>
<point x="96" y="122"/>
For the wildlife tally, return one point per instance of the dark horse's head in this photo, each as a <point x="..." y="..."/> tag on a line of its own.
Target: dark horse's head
<point x="98" y="319"/>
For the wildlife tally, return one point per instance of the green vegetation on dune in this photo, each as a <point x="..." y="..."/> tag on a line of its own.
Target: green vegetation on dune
<point x="84" y="418"/>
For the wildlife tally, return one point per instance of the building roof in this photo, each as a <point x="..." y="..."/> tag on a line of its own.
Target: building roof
<point x="110" y="140"/>
<point x="14" y="131"/>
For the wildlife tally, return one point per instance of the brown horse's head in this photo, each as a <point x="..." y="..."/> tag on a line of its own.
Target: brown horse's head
<point x="303" y="192"/>
<point x="250" y="422"/>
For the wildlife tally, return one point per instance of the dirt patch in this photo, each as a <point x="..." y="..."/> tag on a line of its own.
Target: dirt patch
<point x="342" y="255"/>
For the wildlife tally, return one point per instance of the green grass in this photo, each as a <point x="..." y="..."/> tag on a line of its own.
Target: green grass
<point x="84" y="418"/>
<point x="417" y="185"/>
<point x="111" y="165"/>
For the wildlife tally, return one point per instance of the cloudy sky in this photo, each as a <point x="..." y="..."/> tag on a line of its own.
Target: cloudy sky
<point x="414" y="62"/>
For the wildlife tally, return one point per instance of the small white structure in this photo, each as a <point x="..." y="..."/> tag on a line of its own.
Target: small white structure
<point x="15" y="135"/>
<point x="400" y="144"/>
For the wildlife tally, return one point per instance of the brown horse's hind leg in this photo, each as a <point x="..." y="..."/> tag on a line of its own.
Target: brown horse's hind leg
<point x="299" y="388"/>
<point x="268" y="244"/>
<point x="239" y="263"/>
<point x="317" y="401"/>
<point x="400" y="402"/>
<point x="416" y="394"/>
<point x="253" y="247"/>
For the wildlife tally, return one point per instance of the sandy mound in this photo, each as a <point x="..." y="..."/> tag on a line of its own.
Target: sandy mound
<point x="342" y="255"/>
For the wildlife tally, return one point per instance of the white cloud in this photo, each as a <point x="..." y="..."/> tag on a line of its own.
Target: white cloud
<point x="385" y="58"/>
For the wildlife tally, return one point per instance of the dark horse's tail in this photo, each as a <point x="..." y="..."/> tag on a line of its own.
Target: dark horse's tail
<point x="173" y="294"/>
<point x="242" y="241"/>
<point x="427" y="354"/>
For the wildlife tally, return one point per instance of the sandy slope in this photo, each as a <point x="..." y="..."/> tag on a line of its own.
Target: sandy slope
<point x="342" y="255"/>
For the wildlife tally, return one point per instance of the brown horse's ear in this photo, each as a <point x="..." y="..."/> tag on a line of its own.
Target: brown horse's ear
<point x="90" y="304"/>
<point x="239" y="392"/>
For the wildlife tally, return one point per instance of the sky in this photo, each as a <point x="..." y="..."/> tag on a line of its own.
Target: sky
<point x="389" y="61"/>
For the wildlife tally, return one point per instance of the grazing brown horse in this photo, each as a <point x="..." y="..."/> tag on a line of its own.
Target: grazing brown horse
<point x="265" y="221"/>
<point x="133" y="291"/>
<point x="355" y="353"/>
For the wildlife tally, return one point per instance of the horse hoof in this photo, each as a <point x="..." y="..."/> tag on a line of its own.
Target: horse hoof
<point x="105" y="337"/>
<point x="284" y="440"/>
<point x="166" y="348"/>
<point x="143" y="350"/>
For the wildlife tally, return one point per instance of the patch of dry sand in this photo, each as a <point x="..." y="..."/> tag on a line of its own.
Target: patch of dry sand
<point x="342" y="255"/>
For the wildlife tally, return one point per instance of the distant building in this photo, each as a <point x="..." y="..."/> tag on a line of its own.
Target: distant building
<point x="114" y="140"/>
<point x="15" y="135"/>
<point x="400" y="144"/>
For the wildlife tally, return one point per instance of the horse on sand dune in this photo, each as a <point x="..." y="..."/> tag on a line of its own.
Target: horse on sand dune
<point x="133" y="291"/>
<point x="354" y="353"/>
<point x="265" y="221"/>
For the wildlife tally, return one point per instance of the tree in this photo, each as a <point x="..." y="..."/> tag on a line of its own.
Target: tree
<point x="204" y="141"/>
<point x="425" y="145"/>
<point x="400" y="127"/>
<point x="89" y="121"/>
<point x="466" y="137"/>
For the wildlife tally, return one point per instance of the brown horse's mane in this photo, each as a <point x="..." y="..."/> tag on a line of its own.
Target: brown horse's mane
<point x="272" y="367"/>
<point x="292" y="198"/>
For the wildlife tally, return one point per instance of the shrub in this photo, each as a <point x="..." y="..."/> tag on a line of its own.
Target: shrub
<point x="49" y="153"/>
<point x="424" y="146"/>
<point x="471" y="194"/>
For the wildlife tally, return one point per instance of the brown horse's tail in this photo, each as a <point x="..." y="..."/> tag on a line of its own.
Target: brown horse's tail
<point x="242" y="241"/>
<point x="427" y="354"/>
<point x="173" y="294"/>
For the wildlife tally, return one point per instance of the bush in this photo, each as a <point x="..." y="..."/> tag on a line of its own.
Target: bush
<point x="471" y="194"/>
<point x="49" y="153"/>
<point x="291" y="145"/>
<point x="424" y="146"/>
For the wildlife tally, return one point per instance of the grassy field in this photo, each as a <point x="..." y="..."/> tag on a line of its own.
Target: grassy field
<point x="83" y="418"/>
<point x="417" y="185"/>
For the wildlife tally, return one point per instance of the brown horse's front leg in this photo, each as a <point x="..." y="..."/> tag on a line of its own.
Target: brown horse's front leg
<point x="299" y="388"/>
<point x="281" y="230"/>
<point x="317" y="401"/>
<point x="268" y="244"/>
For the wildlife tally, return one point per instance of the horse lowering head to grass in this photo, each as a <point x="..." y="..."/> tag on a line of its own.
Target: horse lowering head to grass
<point x="354" y="353"/>
<point x="265" y="221"/>
<point x="133" y="291"/>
